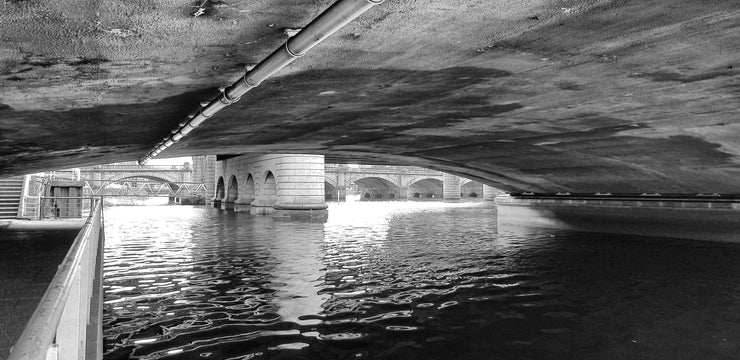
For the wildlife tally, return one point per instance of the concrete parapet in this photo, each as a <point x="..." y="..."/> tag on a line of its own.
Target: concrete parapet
<point x="680" y="218"/>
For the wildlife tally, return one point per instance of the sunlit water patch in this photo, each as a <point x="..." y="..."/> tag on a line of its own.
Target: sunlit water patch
<point x="407" y="281"/>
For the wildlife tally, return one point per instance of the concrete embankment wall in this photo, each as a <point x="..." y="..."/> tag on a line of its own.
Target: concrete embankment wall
<point x="679" y="218"/>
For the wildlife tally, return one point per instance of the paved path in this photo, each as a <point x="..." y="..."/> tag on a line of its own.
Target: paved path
<point x="28" y="262"/>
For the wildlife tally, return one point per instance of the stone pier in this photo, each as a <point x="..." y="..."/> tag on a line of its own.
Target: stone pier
<point x="277" y="184"/>
<point x="490" y="193"/>
<point x="204" y="169"/>
<point x="341" y="188"/>
<point x="451" y="187"/>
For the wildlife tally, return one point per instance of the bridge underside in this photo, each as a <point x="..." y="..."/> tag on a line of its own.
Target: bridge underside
<point x="542" y="96"/>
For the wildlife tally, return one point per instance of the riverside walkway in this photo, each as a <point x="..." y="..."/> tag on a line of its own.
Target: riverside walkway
<point x="28" y="262"/>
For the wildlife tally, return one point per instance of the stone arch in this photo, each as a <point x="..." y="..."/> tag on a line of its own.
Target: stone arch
<point x="379" y="188"/>
<point x="426" y="188"/>
<point x="269" y="188"/>
<point x="220" y="191"/>
<point x="249" y="189"/>
<point x="232" y="192"/>
<point x="471" y="189"/>
<point x="464" y="181"/>
<point x="414" y="179"/>
<point x="354" y="178"/>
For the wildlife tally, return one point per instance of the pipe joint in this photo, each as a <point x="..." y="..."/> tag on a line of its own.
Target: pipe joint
<point x="246" y="82"/>
<point x="291" y="52"/>
<point x="226" y="100"/>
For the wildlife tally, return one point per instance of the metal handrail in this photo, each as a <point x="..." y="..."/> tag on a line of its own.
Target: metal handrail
<point x="144" y="180"/>
<point x="38" y="338"/>
<point x="110" y="167"/>
<point x="66" y="198"/>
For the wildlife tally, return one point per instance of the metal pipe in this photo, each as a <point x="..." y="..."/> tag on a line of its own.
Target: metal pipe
<point x="332" y="19"/>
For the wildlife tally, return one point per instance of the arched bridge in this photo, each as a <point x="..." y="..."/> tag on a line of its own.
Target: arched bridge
<point x="393" y="182"/>
<point x="130" y="179"/>
<point x="285" y="183"/>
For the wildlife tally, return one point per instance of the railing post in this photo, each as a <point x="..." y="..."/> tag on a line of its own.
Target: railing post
<point x="38" y="214"/>
<point x="22" y="202"/>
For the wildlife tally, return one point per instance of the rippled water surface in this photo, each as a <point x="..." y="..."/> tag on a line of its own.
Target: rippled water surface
<point x="407" y="281"/>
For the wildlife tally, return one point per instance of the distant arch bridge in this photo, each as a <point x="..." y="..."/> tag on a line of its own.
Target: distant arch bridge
<point x="375" y="182"/>
<point x="130" y="179"/>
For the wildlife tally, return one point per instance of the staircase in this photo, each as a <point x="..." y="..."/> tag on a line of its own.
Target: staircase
<point x="10" y="197"/>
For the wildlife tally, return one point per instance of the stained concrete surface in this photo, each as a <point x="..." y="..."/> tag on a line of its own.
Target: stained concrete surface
<point x="539" y="95"/>
<point x="28" y="261"/>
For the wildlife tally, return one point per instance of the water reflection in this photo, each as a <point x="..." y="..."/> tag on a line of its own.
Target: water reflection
<point x="407" y="280"/>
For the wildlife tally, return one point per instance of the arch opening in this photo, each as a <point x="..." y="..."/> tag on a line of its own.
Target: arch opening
<point x="219" y="189"/>
<point x="269" y="189"/>
<point x="375" y="188"/>
<point x="472" y="189"/>
<point x="428" y="188"/>
<point x="249" y="189"/>
<point x="233" y="190"/>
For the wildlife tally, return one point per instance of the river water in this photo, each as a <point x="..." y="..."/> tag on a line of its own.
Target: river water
<point x="407" y="280"/>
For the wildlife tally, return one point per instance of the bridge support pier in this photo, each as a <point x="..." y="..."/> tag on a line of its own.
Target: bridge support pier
<point x="451" y="187"/>
<point x="688" y="218"/>
<point x="243" y="205"/>
<point x="341" y="193"/>
<point x="341" y="181"/>
<point x="403" y="193"/>
<point x="300" y="186"/>
<point x="489" y="193"/>
<point x="227" y="205"/>
<point x="290" y="185"/>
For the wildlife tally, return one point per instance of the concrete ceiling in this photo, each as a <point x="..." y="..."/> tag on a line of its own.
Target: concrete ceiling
<point x="529" y="95"/>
